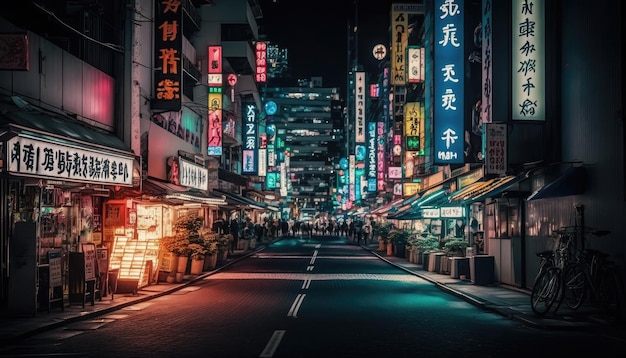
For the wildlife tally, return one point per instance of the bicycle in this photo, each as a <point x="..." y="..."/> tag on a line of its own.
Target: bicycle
<point x="547" y="285"/>
<point x="594" y="277"/>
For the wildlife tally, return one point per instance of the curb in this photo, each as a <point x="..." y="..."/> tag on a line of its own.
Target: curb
<point x="119" y="306"/>
<point x="485" y="305"/>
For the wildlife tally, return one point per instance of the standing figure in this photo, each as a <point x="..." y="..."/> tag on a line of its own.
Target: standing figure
<point x="234" y="230"/>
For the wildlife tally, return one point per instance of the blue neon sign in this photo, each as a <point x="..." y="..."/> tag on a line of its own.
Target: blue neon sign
<point x="449" y="82"/>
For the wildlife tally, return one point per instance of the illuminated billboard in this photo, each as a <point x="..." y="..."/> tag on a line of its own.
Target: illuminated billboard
<point x="528" y="60"/>
<point x="449" y="63"/>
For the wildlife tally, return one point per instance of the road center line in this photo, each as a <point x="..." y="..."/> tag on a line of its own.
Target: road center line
<point x="272" y="344"/>
<point x="293" y="312"/>
<point x="306" y="284"/>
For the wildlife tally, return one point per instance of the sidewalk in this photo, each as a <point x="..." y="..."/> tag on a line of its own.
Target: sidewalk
<point x="507" y="301"/>
<point x="15" y="328"/>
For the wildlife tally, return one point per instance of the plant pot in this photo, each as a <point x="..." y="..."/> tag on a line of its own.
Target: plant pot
<point x="222" y="256"/>
<point x="425" y="258"/>
<point x="389" y="249"/>
<point x="252" y="244"/>
<point x="210" y="262"/>
<point x="243" y="244"/>
<point x="181" y="268"/>
<point x="381" y="244"/>
<point x="171" y="276"/>
<point x="196" y="266"/>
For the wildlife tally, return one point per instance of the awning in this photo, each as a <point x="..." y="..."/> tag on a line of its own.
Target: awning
<point x="402" y="206"/>
<point x="64" y="141"/>
<point x="241" y="202"/>
<point x="466" y="192"/>
<point x="413" y="211"/>
<point x="571" y="182"/>
<point x="178" y="195"/>
<point x="430" y="199"/>
<point x="493" y="188"/>
<point x="381" y="210"/>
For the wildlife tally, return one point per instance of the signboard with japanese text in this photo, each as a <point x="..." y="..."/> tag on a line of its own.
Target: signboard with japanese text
<point x="380" y="156"/>
<point x="415" y="57"/>
<point x="261" y="61"/>
<point x="46" y="159"/>
<point x="262" y="162"/>
<point x="449" y="75"/>
<point x="214" y="65"/>
<point x="352" y="177"/>
<point x="452" y="212"/>
<point x="370" y="165"/>
<point x="413" y="126"/>
<point x="168" y="46"/>
<point x="193" y="175"/>
<point x="430" y="213"/>
<point x="528" y="60"/>
<point x="495" y="153"/>
<point x="395" y="173"/>
<point x="487" y="65"/>
<point x="250" y="138"/>
<point x="359" y="108"/>
<point x="399" y="41"/>
<point x="55" y="258"/>
<point x="89" y="250"/>
<point x="214" y="136"/>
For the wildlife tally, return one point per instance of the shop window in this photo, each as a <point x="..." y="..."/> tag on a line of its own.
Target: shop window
<point x="508" y="219"/>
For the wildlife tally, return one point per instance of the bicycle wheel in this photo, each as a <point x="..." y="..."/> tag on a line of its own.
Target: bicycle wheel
<point x="609" y="291"/>
<point x="574" y="285"/>
<point x="545" y="290"/>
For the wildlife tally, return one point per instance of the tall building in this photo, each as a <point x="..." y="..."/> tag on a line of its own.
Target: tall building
<point x="277" y="61"/>
<point x="307" y="122"/>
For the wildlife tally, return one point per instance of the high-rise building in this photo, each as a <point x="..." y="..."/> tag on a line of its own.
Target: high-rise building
<point x="308" y="128"/>
<point x="277" y="61"/>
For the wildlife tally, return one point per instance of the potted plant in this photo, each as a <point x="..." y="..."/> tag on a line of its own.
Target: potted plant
<point x="426" y="245"/>
<point x="197" y="255"/>
<point x="412" y="249"/>
<point x="222" y="243"/>
<point x="186" y="230"/>
<point x="381" y="232"/>
<point x="211" y="247"/>
<point x="178" y="245"/>
<point x="455" y="246"/>
<point x="397" y="239"/>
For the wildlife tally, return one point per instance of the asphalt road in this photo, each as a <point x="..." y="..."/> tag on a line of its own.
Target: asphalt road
<point x="320" y="297"/>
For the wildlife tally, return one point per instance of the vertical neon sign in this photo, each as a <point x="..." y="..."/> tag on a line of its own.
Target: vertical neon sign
<point x="449" y="82"/>
<point x="528" y="66"/>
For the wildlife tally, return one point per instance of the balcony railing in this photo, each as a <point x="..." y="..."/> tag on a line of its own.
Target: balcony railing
<point x="190" y="9"/>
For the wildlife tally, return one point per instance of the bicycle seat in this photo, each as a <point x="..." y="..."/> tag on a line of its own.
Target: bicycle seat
<point x="545" y="254"/>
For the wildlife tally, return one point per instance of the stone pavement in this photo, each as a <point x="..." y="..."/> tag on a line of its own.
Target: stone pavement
<point x="507" y="301"/>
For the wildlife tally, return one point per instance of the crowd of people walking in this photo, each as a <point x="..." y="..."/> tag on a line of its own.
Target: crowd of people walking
<point x="358" y="230"/>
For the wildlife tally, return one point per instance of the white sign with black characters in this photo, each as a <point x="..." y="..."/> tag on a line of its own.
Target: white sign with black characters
<point x="39" y="158"/>
<point x="193" y="175"/>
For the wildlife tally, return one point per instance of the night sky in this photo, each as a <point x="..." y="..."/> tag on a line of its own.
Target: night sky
<point x="315" y="33"/>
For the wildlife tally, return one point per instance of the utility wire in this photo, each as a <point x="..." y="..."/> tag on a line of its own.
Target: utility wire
<point x="111" y="46"/>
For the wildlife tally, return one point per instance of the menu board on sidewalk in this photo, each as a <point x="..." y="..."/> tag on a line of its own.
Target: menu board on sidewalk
<point x="90" y="261"/>
<point x="54" y="263"/>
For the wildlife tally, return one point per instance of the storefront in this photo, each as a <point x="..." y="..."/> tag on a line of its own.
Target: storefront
<point x="136" y="221"/>
<point x="56" y="175"/>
